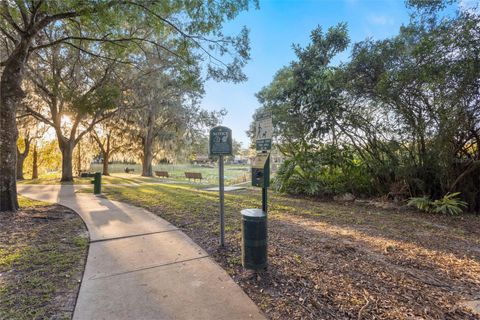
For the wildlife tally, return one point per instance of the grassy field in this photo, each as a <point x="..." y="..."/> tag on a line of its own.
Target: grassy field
<point x="333" y="260"/>
<point x="43" y="250"/>
<point x="233" y="174"/>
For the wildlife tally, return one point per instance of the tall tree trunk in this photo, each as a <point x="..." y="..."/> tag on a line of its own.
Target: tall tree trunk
<point x="79" y="160"/>
<point x="20" y="160"/>
<point x="66" y="147"/>
<point x="148" y="145"/>
<point x="21" y="157"/>
<point x="35" y="162"/>
<point x="106" y="157"/>
<point x="147" y="158"/>
<point x="8" y="148"/>
<point x="10" y="96"/>
<point x="105" y="164"/>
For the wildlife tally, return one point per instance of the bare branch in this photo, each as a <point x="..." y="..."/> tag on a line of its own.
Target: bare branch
<point x="39" y="116"/>
<point x="180" y="31"/>
<point x="8" y="35"/>
<point x="8" y="17"/>
<point x="94" y="122"/>
<point x="22" y="9"/>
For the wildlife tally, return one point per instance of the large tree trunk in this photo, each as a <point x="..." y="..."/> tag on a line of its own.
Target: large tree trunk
<point x="79" y="160"/>
<point x="106" y="157"/>
<point x="10" y="96"/>
<point x="35" y="162"/>
<point x="21" y="158"/>
<point x="66" y="147"/>
<point x="147" y="159"/>
<point x="148" y="145"/>
<point x="8" y="149"/>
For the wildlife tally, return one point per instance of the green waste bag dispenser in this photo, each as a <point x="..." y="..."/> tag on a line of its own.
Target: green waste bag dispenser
<point x="261" y="170"/>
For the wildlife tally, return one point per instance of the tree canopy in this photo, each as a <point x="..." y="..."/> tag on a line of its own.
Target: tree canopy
<point x="401" y="117"/>
<point x="91" y="36"/>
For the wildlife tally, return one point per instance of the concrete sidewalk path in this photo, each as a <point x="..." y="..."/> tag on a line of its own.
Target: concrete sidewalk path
<point x="139" y="266"/>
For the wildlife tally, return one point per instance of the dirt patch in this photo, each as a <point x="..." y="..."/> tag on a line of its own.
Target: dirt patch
<point x="336" y="261"/>
<point x="43" y="250"/>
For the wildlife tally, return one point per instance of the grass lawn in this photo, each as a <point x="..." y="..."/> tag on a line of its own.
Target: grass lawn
<point x="233" y="174"/>
<point x="331" y="260"/>
<point x="43" y="249"/>
<point x="112" y="179"/>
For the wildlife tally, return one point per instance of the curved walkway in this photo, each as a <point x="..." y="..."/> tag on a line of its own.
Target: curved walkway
<point x="141" y="267"/>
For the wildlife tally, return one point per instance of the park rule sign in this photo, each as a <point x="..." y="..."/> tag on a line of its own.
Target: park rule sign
<point x="263" y="132"/>
<point x="220" y="141"/>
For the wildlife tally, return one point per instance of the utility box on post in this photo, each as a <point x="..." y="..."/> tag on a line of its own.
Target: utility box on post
<point x="261" y="170"/>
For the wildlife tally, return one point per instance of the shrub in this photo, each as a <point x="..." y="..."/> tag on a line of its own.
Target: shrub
<point x="449" y="204"/>
<point x="327" y="171"/>
<point x="421" y="203"/>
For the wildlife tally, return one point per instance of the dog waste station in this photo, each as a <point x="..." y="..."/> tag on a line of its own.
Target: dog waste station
<point x="254" y="221"/>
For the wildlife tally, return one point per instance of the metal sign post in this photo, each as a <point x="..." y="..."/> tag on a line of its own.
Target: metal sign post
<point x="265" y="188"/>
<point x="222" y="200"/>
<point x="221" y="145"/>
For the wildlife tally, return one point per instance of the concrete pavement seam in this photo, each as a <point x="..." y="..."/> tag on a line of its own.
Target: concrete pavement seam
<point x="133" y="235"/>
<point x="147" y="268"/>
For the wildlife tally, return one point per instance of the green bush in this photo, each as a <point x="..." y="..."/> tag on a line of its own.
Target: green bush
<point x="448" y="204"/>
<point x="328" y="171"/>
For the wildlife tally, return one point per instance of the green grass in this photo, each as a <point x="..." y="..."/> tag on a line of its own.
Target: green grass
<point x="40" y="260"/>
<point x="30" y="203"/>
<point x="233" y="174"/>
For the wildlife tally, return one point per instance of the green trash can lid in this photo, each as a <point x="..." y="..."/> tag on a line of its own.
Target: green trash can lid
<point x="254" y="213"/>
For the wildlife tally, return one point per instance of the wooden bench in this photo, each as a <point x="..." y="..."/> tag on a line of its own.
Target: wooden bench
<point x="193" y="175"/>
<point x="86" y="174"/>
<point x="163" y="174"/>
<point x="128" y="170"/>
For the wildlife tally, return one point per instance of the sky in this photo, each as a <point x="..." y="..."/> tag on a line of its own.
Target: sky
<point x="275" y="27"/>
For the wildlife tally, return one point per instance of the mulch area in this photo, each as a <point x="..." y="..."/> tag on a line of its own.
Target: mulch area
<point x="43" y="250"/>
<point x="348" y="261"/>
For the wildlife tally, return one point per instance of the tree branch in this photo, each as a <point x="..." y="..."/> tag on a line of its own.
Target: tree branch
<point x="39" y="116"/>
<point x="94" y="122"/>
<point x="8" y="17"/>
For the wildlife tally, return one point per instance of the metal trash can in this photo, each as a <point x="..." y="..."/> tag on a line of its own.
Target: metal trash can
<point x="254" y="239"/>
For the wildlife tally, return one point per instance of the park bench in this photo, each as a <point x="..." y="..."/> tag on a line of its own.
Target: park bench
<point x="193" y="175"/>
<point x="128" y="170"/>
<point x="86" y="174"/>
<point x="163" y="174"/>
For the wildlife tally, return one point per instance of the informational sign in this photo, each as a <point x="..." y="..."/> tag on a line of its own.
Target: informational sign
<point x="263" y="132"/>
<point x="220" y="141"/>
<point x="221" y="145"/>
